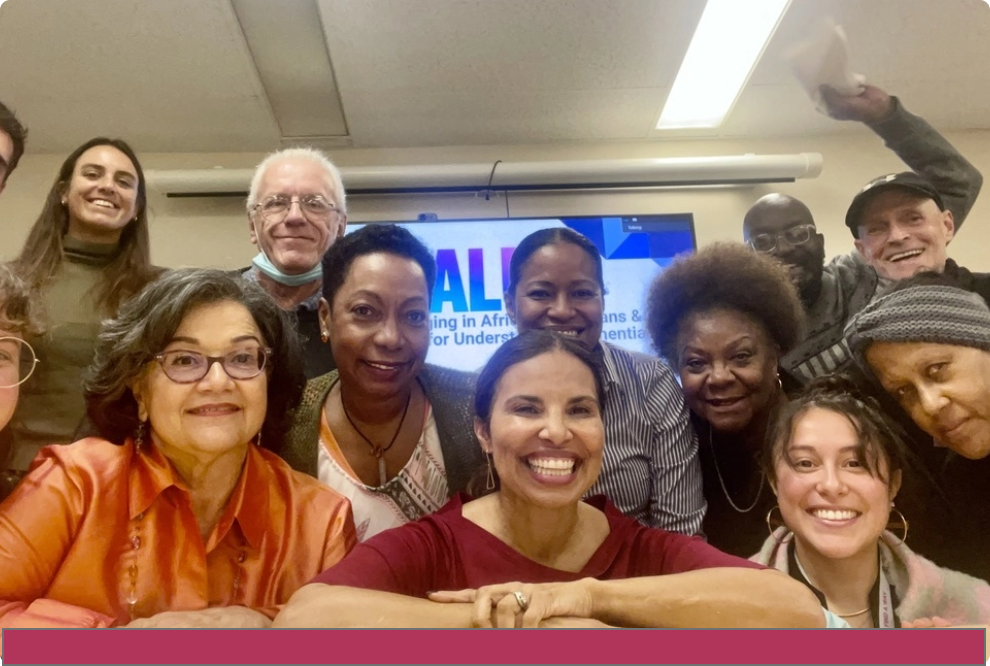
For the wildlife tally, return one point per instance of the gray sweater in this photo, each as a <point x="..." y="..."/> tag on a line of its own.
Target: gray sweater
<point x="848" y="282"/>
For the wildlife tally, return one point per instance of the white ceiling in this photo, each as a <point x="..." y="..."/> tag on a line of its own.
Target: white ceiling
<point x="243" y="75"/>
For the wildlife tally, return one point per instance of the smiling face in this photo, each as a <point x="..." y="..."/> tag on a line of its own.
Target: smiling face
<point x="781" y="218"/>
<point x="545" y="435"/>
<point x="296" y="244"/>
<point x="902" y="233"/>
<point x="728" y="368"/>
<point x="827" y="496"/>
<point x="101" y="196"/>
<point x="217" y="414"/>
<point x="378" y="325"/>
<point x="558" y="290"/>
<point x="945" y="389"/>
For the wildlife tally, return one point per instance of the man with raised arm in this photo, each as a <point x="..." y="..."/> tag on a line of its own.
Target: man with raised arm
<point x="945" y="186"/>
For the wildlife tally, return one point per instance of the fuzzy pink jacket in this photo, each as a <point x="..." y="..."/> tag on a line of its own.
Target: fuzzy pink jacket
<point x="924" y="589"/>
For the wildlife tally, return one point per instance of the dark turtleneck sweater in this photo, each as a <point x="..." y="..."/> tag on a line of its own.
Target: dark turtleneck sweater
<point x="51" y="402"/>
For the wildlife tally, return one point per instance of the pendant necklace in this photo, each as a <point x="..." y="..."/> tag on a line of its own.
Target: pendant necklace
<point x="844" y="616"/>
<point x="376" y="450"/>
<point x="721" y="481"/>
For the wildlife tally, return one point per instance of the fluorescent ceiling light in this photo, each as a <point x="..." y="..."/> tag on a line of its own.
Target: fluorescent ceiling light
<point x="726" y="46"/>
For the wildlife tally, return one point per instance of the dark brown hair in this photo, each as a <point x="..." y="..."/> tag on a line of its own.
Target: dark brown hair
<point x="147" y="323"/>
<point x="723" y="276"/>
<point x="879" y="442"/>
<point x="374" y="239"/>
<point x="532" y="243"/>
<point x="519" y="349"/>
<point x="12" y="127"/>
<point x="42" y="254"/>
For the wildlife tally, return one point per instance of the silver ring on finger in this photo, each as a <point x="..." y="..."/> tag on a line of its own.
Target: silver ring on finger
<point x="521" y="600"/>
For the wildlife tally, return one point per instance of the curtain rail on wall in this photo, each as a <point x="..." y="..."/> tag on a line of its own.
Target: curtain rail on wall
<point x="516" y="176"/>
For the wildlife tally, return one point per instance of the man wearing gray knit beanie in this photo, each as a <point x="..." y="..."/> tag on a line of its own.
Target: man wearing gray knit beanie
<point x="928" y="345"/>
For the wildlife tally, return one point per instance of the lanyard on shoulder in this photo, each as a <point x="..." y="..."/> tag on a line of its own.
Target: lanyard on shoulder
<point x="885" y="610"/>
<point x="882" y="602"/>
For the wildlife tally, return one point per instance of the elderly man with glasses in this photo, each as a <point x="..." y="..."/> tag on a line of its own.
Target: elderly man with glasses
<point x="296" y="210"/>
<point x="783" y="227"/>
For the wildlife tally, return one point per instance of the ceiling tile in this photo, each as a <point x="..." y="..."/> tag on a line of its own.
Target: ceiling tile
<point x="179" y="76"/>
<point x="176" y="73"/>
<point x="415" y="117"/>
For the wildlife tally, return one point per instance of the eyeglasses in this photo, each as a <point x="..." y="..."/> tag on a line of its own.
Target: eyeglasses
<point x="797" y="235"/>
<point x="316" y="208"/>
<point x="17" y="362"/>
<point x="187" y="367"/>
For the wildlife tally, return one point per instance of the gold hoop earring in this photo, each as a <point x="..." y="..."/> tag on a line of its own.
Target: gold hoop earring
<point x="903" y="524"/>
<point x="490" y="481"/>
<point x="780" y="382"/>
<point x="770" y="521"/>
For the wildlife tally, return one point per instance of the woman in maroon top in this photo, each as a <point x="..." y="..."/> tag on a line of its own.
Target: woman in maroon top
<point x="575" y="563"/>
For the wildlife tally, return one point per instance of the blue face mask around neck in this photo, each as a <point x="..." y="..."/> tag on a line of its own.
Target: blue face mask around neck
<point x="264" y="264"/>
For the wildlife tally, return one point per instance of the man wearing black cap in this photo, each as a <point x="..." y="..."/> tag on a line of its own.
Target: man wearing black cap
<point x="902" y="226"/>
<point x="783" y="226"/>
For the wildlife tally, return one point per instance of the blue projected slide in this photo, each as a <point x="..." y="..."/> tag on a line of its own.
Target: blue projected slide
<point x="468" y="320"/>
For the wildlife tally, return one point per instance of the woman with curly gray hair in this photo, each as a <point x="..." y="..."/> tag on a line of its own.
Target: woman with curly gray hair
<point x="175" y="516"/>
<point x="722" y="318"/>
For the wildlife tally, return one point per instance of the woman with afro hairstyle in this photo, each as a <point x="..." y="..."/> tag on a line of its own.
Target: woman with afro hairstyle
<point x="722" y="318"/>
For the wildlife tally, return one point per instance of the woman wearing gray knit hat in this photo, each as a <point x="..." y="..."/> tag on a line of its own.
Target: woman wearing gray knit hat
<point x="928" y="345"/>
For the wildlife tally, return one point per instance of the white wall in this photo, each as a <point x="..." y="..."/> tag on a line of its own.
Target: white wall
<point x="214" y="231"/>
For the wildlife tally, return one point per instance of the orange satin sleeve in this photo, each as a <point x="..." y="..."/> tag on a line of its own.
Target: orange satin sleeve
<point x="341" y="536"/>
<point x="39" y="522"/>
<point x="317" y="512"/>
<point x="333" y="526"/>
<point x="98" y="534"/>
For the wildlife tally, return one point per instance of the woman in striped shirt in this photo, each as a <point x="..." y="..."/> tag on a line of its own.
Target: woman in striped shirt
<point x="650" y="468"/>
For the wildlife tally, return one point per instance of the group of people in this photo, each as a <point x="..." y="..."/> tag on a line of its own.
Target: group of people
<point x="268" y="446"/>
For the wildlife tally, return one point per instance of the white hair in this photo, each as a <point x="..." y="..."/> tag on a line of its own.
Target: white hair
<point x="313" y="155"/>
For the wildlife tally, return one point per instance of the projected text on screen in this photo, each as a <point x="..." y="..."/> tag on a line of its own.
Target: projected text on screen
<point x="468" y="320"/>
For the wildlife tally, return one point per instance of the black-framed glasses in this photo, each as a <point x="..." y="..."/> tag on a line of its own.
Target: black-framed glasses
<point x="186" y="367"/>
<point x="313" y="206"/>
<point x="17" y="361"/>
<point x="796" y="235"/>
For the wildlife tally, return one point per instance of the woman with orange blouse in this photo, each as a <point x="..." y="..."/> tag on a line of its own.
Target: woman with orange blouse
<point x="176" y="516"/>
